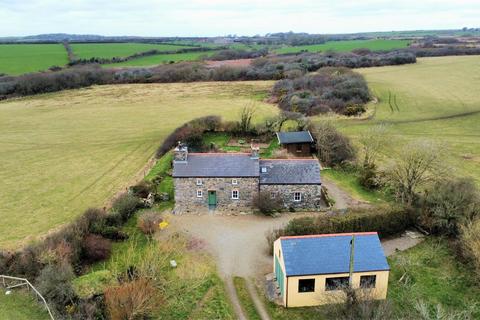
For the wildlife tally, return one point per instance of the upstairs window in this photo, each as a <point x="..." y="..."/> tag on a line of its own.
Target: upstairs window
<point x="199" y="182"/>
<point x="297" y="196"/>
<point x="199" y="193"/>
<point x="367" y="282"/>
<point x="273" y="195"/>
<point x="306" y="285"/>
<point x="235" y="194"/>
<point x="234" y="181"/>
<point x="337" y="283"/>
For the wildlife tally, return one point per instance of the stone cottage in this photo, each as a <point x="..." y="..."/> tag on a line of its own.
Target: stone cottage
<point x="229" y="181"/>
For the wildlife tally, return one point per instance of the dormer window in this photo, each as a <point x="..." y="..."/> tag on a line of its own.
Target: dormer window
<point x="264" y="169"/>
<point x="199" y="182"/>
<point x="234" y="181"/>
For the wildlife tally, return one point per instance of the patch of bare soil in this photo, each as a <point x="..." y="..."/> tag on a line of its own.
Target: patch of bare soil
<point x="229" y="63"/>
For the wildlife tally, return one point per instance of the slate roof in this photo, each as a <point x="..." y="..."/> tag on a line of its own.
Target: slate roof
<point x="294" y="171"/>
<point x="330" y="253"/>
<point x="294" y="137"/>
<point x="217" y="165"/>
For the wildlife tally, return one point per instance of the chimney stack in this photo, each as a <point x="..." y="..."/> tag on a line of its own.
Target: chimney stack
<point x="180" y="153"/>
<point x="255" y="151"/>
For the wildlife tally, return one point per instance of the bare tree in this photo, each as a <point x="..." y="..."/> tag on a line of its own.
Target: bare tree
<point x="333" y="147"/>
<point x="246" y="116"/>
<point x="417" y="163"/>
<point x="373" y="140"/>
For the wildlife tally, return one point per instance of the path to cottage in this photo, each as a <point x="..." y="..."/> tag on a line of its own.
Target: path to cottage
<point x="239" y="245"/>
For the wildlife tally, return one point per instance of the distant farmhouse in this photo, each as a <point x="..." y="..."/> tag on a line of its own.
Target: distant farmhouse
<point x="314" y="270"/>
<point x="298" y="143"/>
<point x="230" y="181"/>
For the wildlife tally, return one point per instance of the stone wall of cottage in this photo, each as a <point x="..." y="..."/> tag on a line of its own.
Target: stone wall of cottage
<point x="311" y="195"/>
<point x="186" y="200"/>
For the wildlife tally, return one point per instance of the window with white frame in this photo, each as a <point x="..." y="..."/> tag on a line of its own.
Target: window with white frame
<point x="273" y="195"/>
<point x="199" y="182"/>
<point x="264" y="169"/>
<point x="297" y="196"/>
<point x="234" y="181"/>
<point x="199" y="193"/>
<point x="235" y="194"/>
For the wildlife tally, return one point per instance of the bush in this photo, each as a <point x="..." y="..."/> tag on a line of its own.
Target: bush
<point x="265" y="204"/>
<point x="386" y="221"/>
<point x="470" y="241"/>
<point x="131" y="300"/>
<point x="96" y="248"/>
<point x="368" y="176"/>
<point x="449" y="203"/>
<point x="54" y="283"/>
<point x="125" y="205"/>
<point x="149" y="221"/>
<point x="333" y="147"/>
<point x="142" y="189"/>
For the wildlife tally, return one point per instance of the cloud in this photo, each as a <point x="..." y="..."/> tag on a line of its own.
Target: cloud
<point x="221" y="17"/>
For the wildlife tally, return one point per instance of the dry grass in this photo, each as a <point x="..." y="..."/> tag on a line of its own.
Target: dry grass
<point x="61" y="153"/>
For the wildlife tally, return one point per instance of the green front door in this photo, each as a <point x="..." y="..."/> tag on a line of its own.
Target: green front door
<point x="212" y="198"/>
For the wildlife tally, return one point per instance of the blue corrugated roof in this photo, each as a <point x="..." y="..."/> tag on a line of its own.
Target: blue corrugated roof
<point x="324" y="254"/>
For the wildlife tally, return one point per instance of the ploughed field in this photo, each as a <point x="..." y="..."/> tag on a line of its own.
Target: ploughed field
<point x="62" y="153"/>
<point x="436" y="99"/>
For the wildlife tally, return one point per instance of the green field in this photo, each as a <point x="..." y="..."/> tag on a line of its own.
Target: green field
<point x="437" y="99"/>
<point x="21" y="305"/>
<point x="17" y="59"/>
<point x="110" y="50"/>
<point x="160" y="59"/>
<point x="347" y="45"/>
<point x="67" y="151"/>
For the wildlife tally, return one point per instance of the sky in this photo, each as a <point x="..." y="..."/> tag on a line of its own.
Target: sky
<point x="240" y="17"/>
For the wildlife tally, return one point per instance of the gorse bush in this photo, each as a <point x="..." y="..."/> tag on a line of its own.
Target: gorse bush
<point x="337" y="90"/>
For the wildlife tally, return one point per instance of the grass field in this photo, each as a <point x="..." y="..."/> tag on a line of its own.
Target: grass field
<point x="67" y="151"/>
<point x="110" y="50"/>
<point x="21" y="305"/>
<point x="160" y="59"/>
<point x="347" y="45"/>
<point x="437" y="99"/>
<point x="17" y="59"/>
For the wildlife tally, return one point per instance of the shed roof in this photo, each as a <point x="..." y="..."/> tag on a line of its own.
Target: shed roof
<point x="330" y="253"/>
<point x="290" y="171"/>
<point x="216" y="165"/>
<point x="294" y="137"/>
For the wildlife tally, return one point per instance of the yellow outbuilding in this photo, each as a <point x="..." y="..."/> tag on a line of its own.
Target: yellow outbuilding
<point x="315" y="269"/>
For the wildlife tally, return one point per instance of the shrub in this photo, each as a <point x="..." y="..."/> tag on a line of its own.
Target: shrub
<point x="449" y="203"/>
<point x="368" y="176"/>
<point x="96" y="248"/>
<point x="333" y="147"/>
<point x="470" y="241"/>
<point x="142" y="189"/>
<point x="54" y="283"/>
<point x="386" y="221"/>
<point x="265" y="204"/>
<point x="148" y="222"/>
<point x="125" y="205"/>
<point x="132" y="300"/>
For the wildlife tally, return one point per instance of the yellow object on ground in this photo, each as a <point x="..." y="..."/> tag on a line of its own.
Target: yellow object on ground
<point x="162" y="225"/>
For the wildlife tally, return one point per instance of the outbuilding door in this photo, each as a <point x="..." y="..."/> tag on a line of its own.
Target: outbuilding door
<point x="212" y="198"/>
<point x="279" y="275"/>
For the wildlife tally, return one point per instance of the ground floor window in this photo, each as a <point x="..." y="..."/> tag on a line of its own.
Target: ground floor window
<point x="235" y="194"/>
<point x="297" y="196"/>
<point x="273" y="195"/>
<point x="368" y="281"/>
<point x="199" y="193"/>
<point x="306" y="285"/>
<point x="336" y="283"/>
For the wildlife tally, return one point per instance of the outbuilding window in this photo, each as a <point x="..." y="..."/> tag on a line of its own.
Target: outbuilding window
<point x="367" y="282"/>
<point x="306" y="285"/>
<point x="297" y="196"/>
<point x="235" y="194"/>
<point x="337" y="283"/>
<point x="199" y="182"/>
<point x="234" y="181"/>
<point x="199" y="193"/>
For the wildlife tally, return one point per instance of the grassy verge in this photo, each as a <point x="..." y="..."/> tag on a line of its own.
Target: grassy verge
<point x="348" y="181"/>
<point x="246" y="301"/>
<point x="430" y="275"/>
<point x="21" y="305"/>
